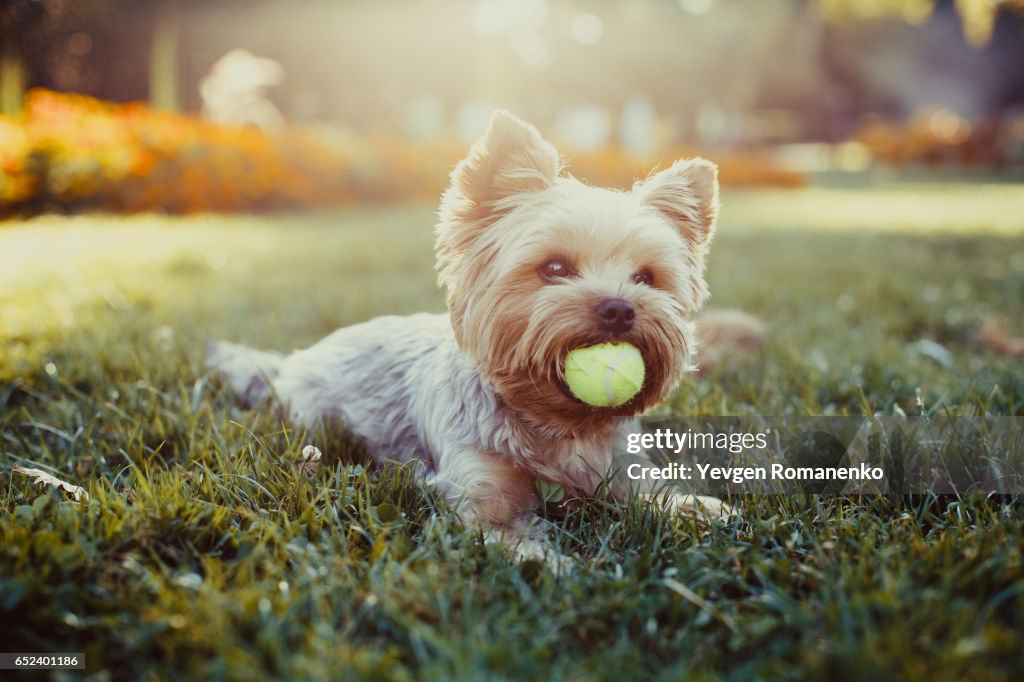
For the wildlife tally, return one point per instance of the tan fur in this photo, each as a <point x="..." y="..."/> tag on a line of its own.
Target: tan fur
<point x="508" y="211"/>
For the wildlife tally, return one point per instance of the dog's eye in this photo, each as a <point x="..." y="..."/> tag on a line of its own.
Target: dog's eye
<point x="555" y="269"/>
<point x="644" y="277"/>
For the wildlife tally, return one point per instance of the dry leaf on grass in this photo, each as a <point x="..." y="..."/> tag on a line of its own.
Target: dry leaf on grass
<point x="727" y="335"/>
<point x="993" y="335"/>
<point x="45" y="478"/>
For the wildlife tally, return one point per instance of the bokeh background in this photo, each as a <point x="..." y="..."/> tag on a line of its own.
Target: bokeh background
<point x="193" y="105"/>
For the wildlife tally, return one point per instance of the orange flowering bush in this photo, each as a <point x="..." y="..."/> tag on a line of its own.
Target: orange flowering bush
<point x="613" y="167"/>
<point x="74" y="152"/>
<point x="17" y="181"/>
<point x="84" y="153"/>
<point x="936" y="137"/>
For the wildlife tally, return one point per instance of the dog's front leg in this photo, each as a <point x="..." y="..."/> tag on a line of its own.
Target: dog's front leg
<point x="700" y="506"/>
<point x="491" y="493"/>
<point x="656" y="492"/>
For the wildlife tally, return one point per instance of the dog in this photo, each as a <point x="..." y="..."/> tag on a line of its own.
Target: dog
<point x="535" y="263"/>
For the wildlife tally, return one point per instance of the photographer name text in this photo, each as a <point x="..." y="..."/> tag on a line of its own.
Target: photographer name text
<point x="775" y="472"/>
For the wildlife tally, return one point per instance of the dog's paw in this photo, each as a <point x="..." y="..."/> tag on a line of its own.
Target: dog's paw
<point x="528" y="549"/>
<point x="702" y="507"/>
<point x="522" y="548"/>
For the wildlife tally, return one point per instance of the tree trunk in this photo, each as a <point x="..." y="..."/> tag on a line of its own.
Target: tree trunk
<point x="163" y="61"/>
<point x="12" y="79"/>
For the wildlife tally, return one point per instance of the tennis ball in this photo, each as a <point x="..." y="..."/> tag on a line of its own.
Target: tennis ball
<point x="605" y="375"/>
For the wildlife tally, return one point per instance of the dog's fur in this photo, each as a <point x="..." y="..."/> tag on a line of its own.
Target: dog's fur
<point x="476" y="397"/>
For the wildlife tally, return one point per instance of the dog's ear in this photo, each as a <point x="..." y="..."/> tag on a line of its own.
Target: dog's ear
<point x="510" y="159"/>
<point x="687" y="194"/>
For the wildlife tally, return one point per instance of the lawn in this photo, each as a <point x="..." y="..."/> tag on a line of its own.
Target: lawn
<point x="205" y="549"/>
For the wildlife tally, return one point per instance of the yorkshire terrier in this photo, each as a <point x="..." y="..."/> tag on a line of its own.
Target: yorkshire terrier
<point x="535" y="263"/>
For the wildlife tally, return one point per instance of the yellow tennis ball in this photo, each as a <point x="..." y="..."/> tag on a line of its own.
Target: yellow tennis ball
<point x="605" y="375"/>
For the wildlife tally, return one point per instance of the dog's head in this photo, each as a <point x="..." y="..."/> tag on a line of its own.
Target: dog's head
<point x="537" y="263"/>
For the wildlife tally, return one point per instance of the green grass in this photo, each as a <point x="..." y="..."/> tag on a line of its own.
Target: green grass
<point x="206" y="552"/>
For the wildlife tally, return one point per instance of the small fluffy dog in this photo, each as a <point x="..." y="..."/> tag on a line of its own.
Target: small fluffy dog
<point x="535" y="264"/>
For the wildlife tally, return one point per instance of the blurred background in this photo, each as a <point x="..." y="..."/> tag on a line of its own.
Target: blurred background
<point x="197" y="105"/>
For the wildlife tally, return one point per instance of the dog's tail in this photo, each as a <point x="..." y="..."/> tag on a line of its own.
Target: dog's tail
<point x="250" y="373"/>
<point x="723" y="335"/>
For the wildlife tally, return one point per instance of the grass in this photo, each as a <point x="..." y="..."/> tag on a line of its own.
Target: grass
<point x="206" y="551"/>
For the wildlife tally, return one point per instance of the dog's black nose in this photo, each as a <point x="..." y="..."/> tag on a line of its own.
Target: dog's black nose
<point x="616" y="315"/>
